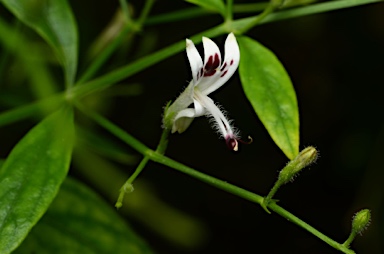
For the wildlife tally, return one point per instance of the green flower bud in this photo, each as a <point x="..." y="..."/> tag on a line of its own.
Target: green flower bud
<point x="306" y="157"/>
<point x="361" y="221"/>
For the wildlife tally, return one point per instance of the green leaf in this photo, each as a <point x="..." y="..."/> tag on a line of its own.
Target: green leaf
<point x="270" y="91"/>
<point x="54" y="21"/>
<point x="212" y="5"/>
<point x="31" y="176"/>
<point x="79" y="221"/>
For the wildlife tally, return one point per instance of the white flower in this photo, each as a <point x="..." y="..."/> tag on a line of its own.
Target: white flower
<point x="207" y="78"/>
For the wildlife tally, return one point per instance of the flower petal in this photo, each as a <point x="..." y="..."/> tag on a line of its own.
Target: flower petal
<point x="221" y="123"/>
<point x="183" y="119"/>
<point x="199" y="109"/>
<point x="212" y="64"/>
<point x="194" y="61"/>
<point x="227" y="69"/>
<point x="212" y="57"/>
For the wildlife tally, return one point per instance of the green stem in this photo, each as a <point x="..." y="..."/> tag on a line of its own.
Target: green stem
<point x="255" y="21"/>
<point x="25" y="111"/>
<point x="195" y="12"/>
<point x="175" y="16"/>
<point x="350" y="239"/>
<point x="138" y="65"/>
<point x="290" y="217"/>
<point x="131" y="28"/>
<point x="124" y="8"/>
<point x="249" y="8"/>
<point x="240" y="26"/>
<point x="229" y="14"/>
<point x="268" y="198"/>
<point x="115" y="130"/>
<point x="145" y="11"/>
<point x="103" y="56"/>
<point x="127" y="186"/>
<point x="223" y="185"/>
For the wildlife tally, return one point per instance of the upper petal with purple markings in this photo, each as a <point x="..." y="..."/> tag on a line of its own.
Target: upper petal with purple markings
<point x="215" y="73"/>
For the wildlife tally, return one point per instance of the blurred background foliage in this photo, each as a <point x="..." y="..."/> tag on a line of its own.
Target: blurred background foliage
<point x="335" y="62"/>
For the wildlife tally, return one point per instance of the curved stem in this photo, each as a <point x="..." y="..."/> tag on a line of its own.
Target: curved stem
<point x="220" y="184"/>
<point x="350" y="239"/>
<point x="127" y="186"/>
<point x="290" y="217"/>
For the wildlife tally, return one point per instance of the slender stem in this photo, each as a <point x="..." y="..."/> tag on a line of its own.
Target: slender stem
<point x="137" y="145"/>
<point x="289" y="216"/>
<point x="268" y="198"/>
<point x="175" y="16"/>
<point x="223" y="185"/>
<point x="303" y="11"/>
<point x="138" y="65"/>
<point x="162" y="146"/>
<point x="350" y="239"/>
<point x="32" y="109"/>
<point x="249" y="8"/>
<point x="270" y="8"/>
<point x="195" y="12"/>
<point x="240" y="26"/>
<point x="130" y="29"/>
<point x="115" y="130"/>
<point x="127" y="186"/>
<point x="124" y="8"/>
<point x="229" y="15"/>
<point x="103" y="56"/>
<point x="220" y="184"/>
<point x="145" y="11"/>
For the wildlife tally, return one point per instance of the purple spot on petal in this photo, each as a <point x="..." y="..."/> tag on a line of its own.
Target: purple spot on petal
<point x="222" y="75"/>
<point x="211" y="65"/>
<point x="231" y="62"/>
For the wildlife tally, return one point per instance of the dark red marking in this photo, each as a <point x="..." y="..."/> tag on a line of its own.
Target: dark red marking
<point x="231" y="62"/>
<point x="211" y="65"/>
<point x="222" y="75"/>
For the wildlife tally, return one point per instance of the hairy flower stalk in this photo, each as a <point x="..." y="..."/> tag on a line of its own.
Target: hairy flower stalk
<point x="208" y="76"/>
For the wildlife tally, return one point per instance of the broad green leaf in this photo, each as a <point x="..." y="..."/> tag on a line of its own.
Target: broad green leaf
<point x="212" y="5"/>
<point x="31" y="176"/>
<point x="79" y="221"/>
<point x="54" y="21"/>
<point x="270" y="91"/>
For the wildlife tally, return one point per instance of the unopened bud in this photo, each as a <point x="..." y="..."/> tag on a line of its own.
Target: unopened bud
<point x="361" y="221"/>
<point x="306" y="157"/>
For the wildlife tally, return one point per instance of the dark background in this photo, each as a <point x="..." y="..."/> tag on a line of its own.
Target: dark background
<point x="335" y="61"/>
